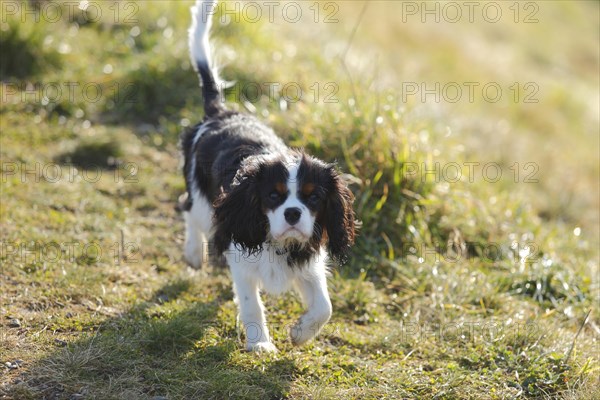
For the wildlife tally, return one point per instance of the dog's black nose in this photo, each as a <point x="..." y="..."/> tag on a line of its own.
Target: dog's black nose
<point x="292" y="215"/>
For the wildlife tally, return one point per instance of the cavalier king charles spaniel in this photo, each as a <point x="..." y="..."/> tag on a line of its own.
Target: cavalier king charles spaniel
<point x="277" y="214"/>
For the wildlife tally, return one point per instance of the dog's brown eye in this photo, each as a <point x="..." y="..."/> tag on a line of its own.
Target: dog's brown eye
<point x="313" y="198"/>
<point x="274" y="195"/>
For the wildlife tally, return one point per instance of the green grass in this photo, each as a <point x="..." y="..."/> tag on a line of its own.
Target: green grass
<point x="466" y="289"/>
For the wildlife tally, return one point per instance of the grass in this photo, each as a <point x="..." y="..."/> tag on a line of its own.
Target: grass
<point x="470" y="287"/>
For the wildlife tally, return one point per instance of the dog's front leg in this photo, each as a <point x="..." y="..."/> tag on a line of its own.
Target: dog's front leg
<point x="251" y="310"/>
<point x="314" y="294"/>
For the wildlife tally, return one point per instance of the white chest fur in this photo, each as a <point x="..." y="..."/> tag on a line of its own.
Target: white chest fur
<point x="270" y="271"/>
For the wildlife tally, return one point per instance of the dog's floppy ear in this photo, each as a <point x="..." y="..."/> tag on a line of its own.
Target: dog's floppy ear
<point x="238" y="215"/>
<point x="339" y="216"/>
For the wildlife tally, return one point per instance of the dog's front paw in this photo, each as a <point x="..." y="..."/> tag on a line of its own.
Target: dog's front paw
<point x="308" y="326"/>
<point x="300" y="334"/>
<point x="262" y="347"/>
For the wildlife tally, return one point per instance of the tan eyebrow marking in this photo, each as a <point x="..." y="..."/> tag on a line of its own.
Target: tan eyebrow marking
<point x="281" y="188"/>
<point x="308" y="188"/>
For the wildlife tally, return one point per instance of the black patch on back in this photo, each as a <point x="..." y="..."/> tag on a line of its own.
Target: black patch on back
<point x="225" y="144"/>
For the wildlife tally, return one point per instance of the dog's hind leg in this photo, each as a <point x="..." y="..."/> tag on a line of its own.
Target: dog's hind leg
<point x="198" y="225"/>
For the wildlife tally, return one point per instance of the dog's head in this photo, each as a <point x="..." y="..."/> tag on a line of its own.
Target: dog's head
<point x="295" y="202"/>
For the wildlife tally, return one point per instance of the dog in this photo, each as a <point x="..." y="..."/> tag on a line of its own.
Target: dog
<point x="278" y="215"/>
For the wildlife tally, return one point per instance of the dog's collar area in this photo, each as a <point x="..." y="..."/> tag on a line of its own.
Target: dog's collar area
<point x="283" y="250"/>
<point x="280" y="251"/>
<point x="294" y="256"/>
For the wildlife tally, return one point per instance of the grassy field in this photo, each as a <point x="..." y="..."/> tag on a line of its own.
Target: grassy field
<point x="471" y="144"/>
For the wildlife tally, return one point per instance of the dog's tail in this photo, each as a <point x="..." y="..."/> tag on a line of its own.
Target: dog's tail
<point x="200" y="53"/>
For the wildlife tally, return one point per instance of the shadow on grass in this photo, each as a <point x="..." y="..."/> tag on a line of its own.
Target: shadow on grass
<point x="103" y="153"/>
<point x="151" y="352"/>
